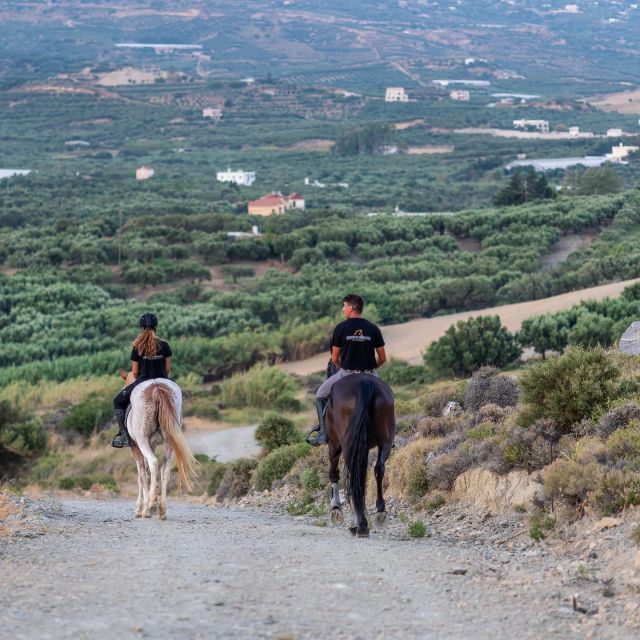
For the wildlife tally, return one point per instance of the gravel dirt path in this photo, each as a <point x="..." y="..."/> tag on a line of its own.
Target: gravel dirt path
<point x="87" y="569"/>
<point x="408" y="340"/>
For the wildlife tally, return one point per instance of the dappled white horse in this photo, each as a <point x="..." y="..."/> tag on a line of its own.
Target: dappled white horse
<point x="155" y="416"/>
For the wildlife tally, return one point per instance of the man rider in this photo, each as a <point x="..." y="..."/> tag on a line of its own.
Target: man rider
<point x="357" y="346"/>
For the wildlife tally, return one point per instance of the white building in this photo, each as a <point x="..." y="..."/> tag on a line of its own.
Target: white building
<point x="460" y="94"/>
<point x="614" y="133"/>
<point x="214" y="114"/>
<point x="144" y="173"/>
<point x="239" y="177"/>
<point x="574" y="131"/>
<point x="539" y="125"/>
<point x="621" y="152"/>
<point x="396" y="94"/>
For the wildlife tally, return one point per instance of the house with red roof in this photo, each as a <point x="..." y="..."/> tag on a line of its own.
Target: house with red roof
<point x="275" y="203"/>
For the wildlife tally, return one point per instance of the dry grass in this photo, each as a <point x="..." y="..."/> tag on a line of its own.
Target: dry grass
<point x="48" y="394"/>
<point x="407" y="471"/>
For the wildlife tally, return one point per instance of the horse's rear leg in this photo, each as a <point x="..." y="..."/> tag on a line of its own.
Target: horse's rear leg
<point x="165" y="470"/>
<point x="383" y="454"/>
<point x="142" y="481"/>
<point x="150" y="497"/>
<point x="334" y="477"/>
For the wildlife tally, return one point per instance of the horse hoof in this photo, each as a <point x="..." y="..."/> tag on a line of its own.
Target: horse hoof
<point x="362" y="534"/>
<point x="138" y="514"/>
<point x="381" y="519"/>
<point x="162" y="516"/>
<point x="146" y="514"/>
<point x="336" y="515"/>
<point x="353" y="531"/>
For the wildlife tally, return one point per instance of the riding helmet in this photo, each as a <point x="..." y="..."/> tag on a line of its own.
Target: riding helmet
<point x="148" y="321"/>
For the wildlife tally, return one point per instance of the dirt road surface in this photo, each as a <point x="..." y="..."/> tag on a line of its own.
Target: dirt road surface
<point x="93" y="571"/>
<point x="408" y="340"/>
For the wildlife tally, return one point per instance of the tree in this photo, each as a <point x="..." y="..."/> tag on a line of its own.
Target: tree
<point x="472" y="344"/>
<point x="598" y="181"/>
<point x="519" y="190"/>
<point x="545" y="333"/>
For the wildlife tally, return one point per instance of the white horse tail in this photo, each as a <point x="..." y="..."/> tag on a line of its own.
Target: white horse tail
<point x="171" y="431"/>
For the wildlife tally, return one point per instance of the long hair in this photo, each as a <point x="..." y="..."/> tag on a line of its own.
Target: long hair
<point x="147" y="344"/>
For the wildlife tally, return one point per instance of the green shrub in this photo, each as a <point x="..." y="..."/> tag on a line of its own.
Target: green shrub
<point x="28" y="437"/>
<point x="85" y="482"/>
<point x="436" y="502"/>
<point x="470" y="344"/>
<point x="67" y="483"/>
<point x="216" y="474"/>
<point x="566" y="389"/>
<point x="236" y="480"/>
<point x="277" y="431"/>
<point x="540" y="523"/>
<point x="262" y="388"/>
<point x="514" y="454"/>
<point x="89" y="415"/>
<point x="417" y="529"/>
<point x="46" y="466"/>
<point x="618" y="490"/>
<point x="310" y="481"/>
<point x="399" y="372"/>
<point x="277" y="464"/>
<point x="624" y="443"/>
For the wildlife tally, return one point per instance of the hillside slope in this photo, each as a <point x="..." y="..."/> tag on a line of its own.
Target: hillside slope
<point x="407" y="340"/>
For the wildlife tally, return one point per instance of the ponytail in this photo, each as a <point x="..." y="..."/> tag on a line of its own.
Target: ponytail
<point x="147" y="344"/>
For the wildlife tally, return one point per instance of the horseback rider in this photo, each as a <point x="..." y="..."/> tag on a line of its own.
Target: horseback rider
<point x="150" y="358"/>
<point x="357" y="346"/>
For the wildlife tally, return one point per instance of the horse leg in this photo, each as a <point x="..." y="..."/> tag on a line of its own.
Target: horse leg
<point x="137" y="454"/>
<point x="165" y="470"/>
<point x="334" y="477"/>
<point x="152" y="464"/>
<point x="383" y="454"/>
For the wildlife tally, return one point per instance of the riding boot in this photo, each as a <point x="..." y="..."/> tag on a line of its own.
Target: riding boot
<point x="321" y="438"/>
<point x="122" y="439"/>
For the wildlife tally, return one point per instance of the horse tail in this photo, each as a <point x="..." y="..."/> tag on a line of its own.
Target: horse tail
<point x="171" y="431"/>
<point x="358" y="452"/>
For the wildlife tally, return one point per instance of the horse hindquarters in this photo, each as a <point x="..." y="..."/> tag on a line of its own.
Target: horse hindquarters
<point x="357" y="454"/>
<point x="174" y="443"/>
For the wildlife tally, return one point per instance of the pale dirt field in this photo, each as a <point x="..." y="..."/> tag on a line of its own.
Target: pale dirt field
<point x="81" y="569"/>
<point x="429" y="149"/>
<point x="123" y="76"/>
<point x="408" y="340"/>
<point x="622" y="102"/>
<point x="399" y="126"/>
<point x="313" y="144"/>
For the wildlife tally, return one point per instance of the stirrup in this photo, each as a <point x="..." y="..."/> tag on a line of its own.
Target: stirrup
<point x="316" y="442"/>
<point x="120" y="443"/>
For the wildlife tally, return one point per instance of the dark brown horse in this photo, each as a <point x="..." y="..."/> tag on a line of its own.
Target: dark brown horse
<point x="360" y="417"/>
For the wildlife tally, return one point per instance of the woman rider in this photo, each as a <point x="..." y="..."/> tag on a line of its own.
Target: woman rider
<point x="150" y="358"/>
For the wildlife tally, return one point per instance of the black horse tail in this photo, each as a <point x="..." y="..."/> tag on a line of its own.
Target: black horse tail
<point x="358" y="451"/>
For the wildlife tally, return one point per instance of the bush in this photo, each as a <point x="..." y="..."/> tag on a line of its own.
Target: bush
<point x="487" y="387"/>
<point x="399" y="372"/>
<point x="470" y="344"/>
<point x="417" y="529"/>
<point x="216" y="474"/>
<point x="407" y="469"/>
<point x="571" y="480"/>
<point x="236" y="481"/>
<point x="262" y="388"/>
<point x="89" y="415"/>
<point x="618" y="490"/>
<point x="618" y="418"/>
<point x="539" y="525"/>
<point x="277" y="431"/>
<point x="624" y="443"/>
<point x="444" y="470"/>
<point x="310" y="481"/>
<point x="277" y="464"/>
<point x="28" y="437"/>
<point x="566" y="389"/>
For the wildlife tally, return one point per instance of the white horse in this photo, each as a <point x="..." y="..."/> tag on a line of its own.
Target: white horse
<point x="156" y="410"/>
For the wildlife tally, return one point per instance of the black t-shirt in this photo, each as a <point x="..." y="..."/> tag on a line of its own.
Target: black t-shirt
<point x="357" y="340"/>
<point x="154" y="367"/>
